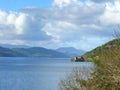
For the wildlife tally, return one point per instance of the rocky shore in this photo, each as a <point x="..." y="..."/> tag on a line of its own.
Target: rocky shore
<point x="78" y="59"/>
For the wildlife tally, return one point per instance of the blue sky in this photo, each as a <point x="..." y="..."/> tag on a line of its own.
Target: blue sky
<point x="83" y="24"/>
<point x="18" y="4"/>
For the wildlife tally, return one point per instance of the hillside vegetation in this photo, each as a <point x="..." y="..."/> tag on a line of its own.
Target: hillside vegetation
<point x="110" y="50"/>
<point x="106" y="75"/>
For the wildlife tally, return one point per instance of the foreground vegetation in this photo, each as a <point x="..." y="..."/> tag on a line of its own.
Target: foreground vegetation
<point x="111" y="49"/>
<point x="106" y="75"/>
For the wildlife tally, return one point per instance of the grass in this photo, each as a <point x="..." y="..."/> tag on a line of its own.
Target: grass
<point x="106" y="75"/>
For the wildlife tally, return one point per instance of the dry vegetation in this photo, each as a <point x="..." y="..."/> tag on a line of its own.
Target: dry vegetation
<point x="106" y="75"/>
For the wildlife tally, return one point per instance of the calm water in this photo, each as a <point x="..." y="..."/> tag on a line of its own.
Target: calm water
<point x="35" y="73"/>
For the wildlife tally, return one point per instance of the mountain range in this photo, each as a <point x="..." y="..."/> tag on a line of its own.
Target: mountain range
<point x="72" y="52"/>
<point x="106" y="50"/>
<point x="25" y="51"/>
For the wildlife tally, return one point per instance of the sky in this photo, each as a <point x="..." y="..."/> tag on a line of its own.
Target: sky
<point x="14" y="5"/>
<point x="83" y="24"/>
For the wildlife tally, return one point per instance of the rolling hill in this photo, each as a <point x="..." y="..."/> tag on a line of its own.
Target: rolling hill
<point x="107" y="51"/>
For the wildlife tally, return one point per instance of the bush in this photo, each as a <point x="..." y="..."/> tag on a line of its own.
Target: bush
<point x="106" y="75"/>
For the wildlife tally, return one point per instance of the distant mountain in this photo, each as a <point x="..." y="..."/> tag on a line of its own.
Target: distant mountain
<point x="30" y="52"/>
<point x="39" y="52"/>
<point x="70" y="51"/>
<point x="6" y="52"/>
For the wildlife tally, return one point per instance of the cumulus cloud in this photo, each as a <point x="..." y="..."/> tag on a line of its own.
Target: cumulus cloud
<point x="79" y="13"/>
<point x="21" y="26"/>
<point x="75" y="23"/>
<point x="64" y="3"/>
<point x="111" y="14"/>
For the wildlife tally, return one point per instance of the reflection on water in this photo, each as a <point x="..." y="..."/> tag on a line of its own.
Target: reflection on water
<point x="35" y="73"/>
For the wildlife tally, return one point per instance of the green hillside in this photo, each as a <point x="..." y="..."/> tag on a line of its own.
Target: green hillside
<point x="108" y="51"/>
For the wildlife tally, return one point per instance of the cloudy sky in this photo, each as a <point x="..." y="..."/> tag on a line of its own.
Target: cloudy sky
<point x="84" y="24"/>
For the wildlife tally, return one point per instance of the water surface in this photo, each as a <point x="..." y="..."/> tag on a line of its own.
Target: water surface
<point x="35" y="73"/>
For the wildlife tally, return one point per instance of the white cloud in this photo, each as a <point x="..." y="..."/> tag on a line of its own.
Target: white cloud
<point x="64" y="3"/>
<point x="20" y="26"/>
<point x="111" y="14"/>
<point x="75" y="23"/>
